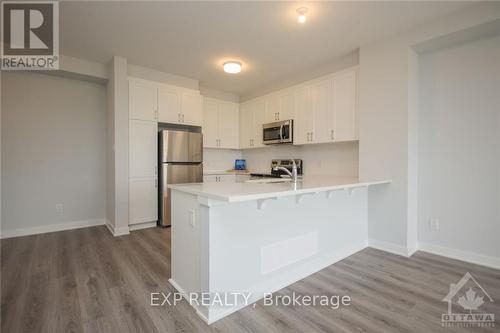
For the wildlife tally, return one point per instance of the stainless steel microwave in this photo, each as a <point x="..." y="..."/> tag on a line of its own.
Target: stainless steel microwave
<point x="278" y="132"/>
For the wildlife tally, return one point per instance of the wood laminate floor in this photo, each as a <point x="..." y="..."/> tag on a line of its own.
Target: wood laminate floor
<point x="88" y="281"/>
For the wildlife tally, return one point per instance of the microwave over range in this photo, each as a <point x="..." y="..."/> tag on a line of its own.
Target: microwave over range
<point x="278" y="133"/>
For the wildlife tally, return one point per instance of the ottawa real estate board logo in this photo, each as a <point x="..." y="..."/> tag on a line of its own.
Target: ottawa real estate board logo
<point x="467" y="301"/>
<point x="30" y="35"/>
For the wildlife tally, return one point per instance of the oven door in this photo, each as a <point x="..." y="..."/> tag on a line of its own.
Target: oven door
<point x="278" y="132"/>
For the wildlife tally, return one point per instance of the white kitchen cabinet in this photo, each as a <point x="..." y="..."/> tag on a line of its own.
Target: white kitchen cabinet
<point x="343" y="124"/>
<point x="179" y="106"/>
<point x="259" y="111"/>
<point x="321" y="110"/>
<point x="304" y="120"/>
<point x="142" y="100"/>
<point x="222" y="178"/>
<point x="143" y="171"/>
<point x="143" y="151"/>
<point x="246" y="125"/>
<point x="191" y="108"/>
<point x="252" y="115"/>
<point x="210" y="125"/>
<point x="169" y="105"/>
<point x="220" y="124"/>
<point x="326" y="109"/>
<point x="143" y="200"/>
<point x="279" y="106"/>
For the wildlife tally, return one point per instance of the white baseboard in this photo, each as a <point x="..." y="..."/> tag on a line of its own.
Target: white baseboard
<point x="471" y="257"/>
<point x="51" y="228"/>
<point x="117" y="231"/>
<point x="393" y="248"/>
<point x="140" y="226"/>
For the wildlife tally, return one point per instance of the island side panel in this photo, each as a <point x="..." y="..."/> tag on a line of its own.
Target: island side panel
<point x="189" y="244"/>
<point x="264" y="250"/>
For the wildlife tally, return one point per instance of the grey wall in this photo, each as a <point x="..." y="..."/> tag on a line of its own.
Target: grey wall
<point x="53" y="150"/>
<point x="459" y="147"/>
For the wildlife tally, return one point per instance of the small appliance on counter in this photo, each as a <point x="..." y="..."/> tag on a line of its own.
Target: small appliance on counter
<point x="286" y="163"/>
<point x="240" y="165"/>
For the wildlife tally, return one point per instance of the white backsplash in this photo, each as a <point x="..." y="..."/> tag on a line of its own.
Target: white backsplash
<point x="332" y="159"/>
<point x="220" y="159"/>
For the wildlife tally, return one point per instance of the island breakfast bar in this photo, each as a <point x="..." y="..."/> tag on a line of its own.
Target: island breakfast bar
<point x="257" y="238"/>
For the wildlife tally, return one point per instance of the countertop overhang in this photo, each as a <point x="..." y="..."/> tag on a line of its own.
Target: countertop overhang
<point x="242" y="191"/>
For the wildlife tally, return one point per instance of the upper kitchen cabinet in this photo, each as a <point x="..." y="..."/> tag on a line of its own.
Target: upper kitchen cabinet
<point x="142" y="100"/>
<point x="191" y="108"/>
<point x="343" y="125"/>
<point x="220" y="124"/>
<point x="304" y="120"/>
<point x="252" y="116"/>
<point x="169" y="105"/>
<point x="179" y="106"/>
<point x="326" y="109"/>
<point x="279" y="106"/>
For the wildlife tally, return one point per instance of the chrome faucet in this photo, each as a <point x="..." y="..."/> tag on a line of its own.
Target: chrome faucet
<point x="293" y="174"/>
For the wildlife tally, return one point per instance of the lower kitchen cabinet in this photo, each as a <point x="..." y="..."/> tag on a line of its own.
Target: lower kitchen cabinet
<point x="143" y="200"/>
<point x="223" y="178"/>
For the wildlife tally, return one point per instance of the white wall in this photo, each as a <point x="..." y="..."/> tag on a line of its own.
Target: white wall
<point x="387" y="135"/>
<point x="53" y="151"/>
<point x="332" y="159"/>
<point x="459" y="147"/>
<point x="220" y="159"/>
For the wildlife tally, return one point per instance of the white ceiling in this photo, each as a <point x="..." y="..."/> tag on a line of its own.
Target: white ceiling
<point x="193" y="39"/>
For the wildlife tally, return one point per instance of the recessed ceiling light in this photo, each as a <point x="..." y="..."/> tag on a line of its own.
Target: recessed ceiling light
<point x="232" y="67"/>
<point x="302" y="11"/>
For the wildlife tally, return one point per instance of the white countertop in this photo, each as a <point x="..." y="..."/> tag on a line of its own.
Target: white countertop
<point x="242" y="191"/>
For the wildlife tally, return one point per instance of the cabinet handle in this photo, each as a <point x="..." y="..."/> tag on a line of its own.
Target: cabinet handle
<point x="156" y="170"/>
<point x="156" y="182"/>
<point x="183" y="118"/>
<point x="312" y="136"/>
<point x="308" y="136"/>
<point x="178" y="117"/>
<point x="278" y="116"/>
<point x="331" y="134"/>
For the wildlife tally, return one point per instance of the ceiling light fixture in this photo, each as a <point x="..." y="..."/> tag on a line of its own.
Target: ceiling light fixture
<point x="302" y="11"/>
<point x="232" y="67"/>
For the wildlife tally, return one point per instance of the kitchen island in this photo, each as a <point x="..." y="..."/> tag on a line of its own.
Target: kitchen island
<point x="255" y="238"/>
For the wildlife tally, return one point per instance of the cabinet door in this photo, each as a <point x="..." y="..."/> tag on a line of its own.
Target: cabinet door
<point x="343" y="124"/>
<point x="210" y="123"/>
<point x="142" y="100"/>
<point x="168" y="105"/>
<point x="143" y="200"/>
<point x="227" y="178"/>
<point x="246" y="125"/>
<point x="321" y="104"/>
<point x="143" y="153"/>
<point x="272" y="108"/>
<point x="286" y="105"/>
<point x="304" y="119"/>
<point x="191" y="109"/>
<point x="259" y="111"/>
<point x="228" y="125"/>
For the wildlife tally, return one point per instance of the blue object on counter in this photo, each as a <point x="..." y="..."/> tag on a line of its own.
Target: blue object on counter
<point x="240" y="165"/>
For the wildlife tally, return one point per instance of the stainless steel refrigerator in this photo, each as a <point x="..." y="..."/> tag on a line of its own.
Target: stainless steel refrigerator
<point x="180" y="158"/>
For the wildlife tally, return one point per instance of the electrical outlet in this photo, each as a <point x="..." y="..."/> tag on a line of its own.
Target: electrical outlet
<point x="434" y="224"/>
<point x="192" y="220"/>
<point x="59" y="208"/>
